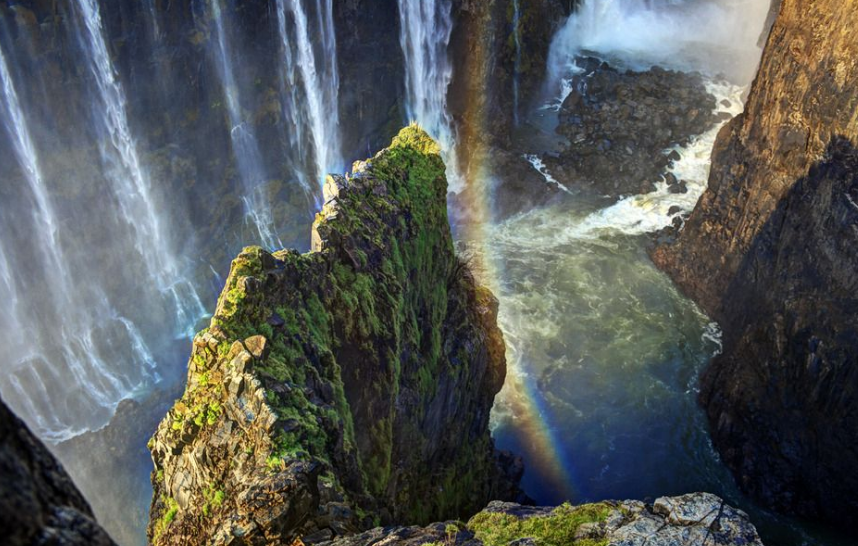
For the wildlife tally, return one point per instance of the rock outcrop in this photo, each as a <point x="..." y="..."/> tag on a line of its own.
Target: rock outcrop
<point x="344" y="387"/>
<point x="688" y="520"/>
<point x="771" y="251"/>
<point x="618" y="124"/>
<point x="39" y="503"/>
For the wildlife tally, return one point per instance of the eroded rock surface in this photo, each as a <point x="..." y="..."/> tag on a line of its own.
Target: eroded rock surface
<point x="688" y="520"/>
<point x="619" y="125"/>
<point x="771" y="251"/>
<point x="344" y="387"/>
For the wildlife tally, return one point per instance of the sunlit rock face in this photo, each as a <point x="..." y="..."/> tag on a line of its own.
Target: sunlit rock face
<point x="344" y="387"/>
<point x="687" y="520"/>
<point x="771" y="252"/>
<point x="39" y="504"/>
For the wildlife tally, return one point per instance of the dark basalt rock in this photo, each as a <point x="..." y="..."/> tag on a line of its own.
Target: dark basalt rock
<point x="39" y="503"/>
<point x="618" y="125"/>
<point x="771" y="251"/>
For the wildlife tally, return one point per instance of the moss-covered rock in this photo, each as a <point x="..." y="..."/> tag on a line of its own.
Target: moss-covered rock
<point x="344" y="387"/>
<point x="687" y="520"/>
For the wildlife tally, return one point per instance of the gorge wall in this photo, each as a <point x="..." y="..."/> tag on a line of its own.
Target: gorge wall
<point x="771" y="252"/>
<point x="344" y="387"/>
<point x="39" y="503"/>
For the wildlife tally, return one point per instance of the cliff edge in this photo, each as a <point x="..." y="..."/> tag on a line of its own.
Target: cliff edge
<point x="771" y="252"/>
<point x="342" y="388"/>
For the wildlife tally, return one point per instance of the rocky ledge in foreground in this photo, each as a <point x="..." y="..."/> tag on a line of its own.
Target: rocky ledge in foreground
<point x="342" y="388"/>
<point x="689" y="520"/>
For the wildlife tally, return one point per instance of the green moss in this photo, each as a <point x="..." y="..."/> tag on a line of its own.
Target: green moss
<point x="167" y="517"/>
<point x="556" y="529"/>
<point x="369" y="313"/>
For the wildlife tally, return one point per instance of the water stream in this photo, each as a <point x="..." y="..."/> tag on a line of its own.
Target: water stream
<point x="315" y="110"/>
<point x="424" y="34"/>
<point x="245" y="146"/>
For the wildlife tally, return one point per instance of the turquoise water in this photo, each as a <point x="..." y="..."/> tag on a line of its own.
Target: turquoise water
<point x="604" y="353"/>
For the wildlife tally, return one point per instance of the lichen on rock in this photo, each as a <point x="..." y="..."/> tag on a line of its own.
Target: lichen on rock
<point x="344" y="387"/>
<point x="687" y="520"/>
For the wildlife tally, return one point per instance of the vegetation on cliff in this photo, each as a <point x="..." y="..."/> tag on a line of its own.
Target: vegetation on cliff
<point x="354" y="381"/>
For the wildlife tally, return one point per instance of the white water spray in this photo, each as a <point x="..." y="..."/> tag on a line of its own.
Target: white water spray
<point x="715" y="36"/>
<point x="540" y="167"/>
<point x="79" y="342"/>
<point x="319" y="80"/>
<point x="516" y="32"/>
<point x="245" y="145"/>
<point x="425" y="28"/>
<point x="652" y="211"/>
<point x="131" y="183"/>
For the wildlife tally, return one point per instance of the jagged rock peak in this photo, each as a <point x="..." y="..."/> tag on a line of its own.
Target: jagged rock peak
<point x="344" y="387"/>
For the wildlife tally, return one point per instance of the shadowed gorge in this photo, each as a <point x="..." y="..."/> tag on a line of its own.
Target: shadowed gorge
<point x="770" y="253"/>
<point x="428" y="272"/>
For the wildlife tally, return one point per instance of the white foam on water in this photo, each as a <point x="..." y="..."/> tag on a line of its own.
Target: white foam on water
<point x="537" y="163"/>
<point x="649" y="212"/>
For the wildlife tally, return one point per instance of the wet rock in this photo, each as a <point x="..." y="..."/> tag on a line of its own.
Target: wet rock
<point x="629" y="109"/>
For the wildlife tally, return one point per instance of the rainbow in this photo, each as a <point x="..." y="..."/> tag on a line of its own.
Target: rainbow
<point x="519" y="401"/>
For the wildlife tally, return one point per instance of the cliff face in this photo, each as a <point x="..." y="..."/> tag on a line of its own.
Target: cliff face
<point x="771" y="251"/>
<point x="39" y="504"/>
<point x="343" y="387"/>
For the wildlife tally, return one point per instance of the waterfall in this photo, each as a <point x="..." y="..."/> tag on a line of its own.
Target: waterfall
<point x="516" y="74"/>
<point x="60" y="365"/>
<point x="130" y="183"/>
<point x="319" y="81"/>
<point x="715" y="36"/>
<point x="425" y="28"/>
<point x="244" y="143"/>
<point x="26" y="153"/>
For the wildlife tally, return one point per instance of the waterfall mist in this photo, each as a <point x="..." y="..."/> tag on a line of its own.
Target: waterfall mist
<point x="143" y="144"/>
<point x="74" y="354"/>
<point x="714" y="36"/>
<point x="425" y="28"/>
<point x="311" y="87"/>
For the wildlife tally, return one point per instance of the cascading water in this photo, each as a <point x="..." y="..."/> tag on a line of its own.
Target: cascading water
<point x="75" y="343"/>
<point x="130" y="182"/>
<point x="425" y="28"/>
<point x="316" y="109"/>
<point x="245" y="146"/>
<point x="715" y="36"/>
<point x="516" y="75"/>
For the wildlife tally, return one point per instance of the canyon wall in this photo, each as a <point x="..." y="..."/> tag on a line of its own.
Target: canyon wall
<point x="771" y="251"/>
<point x="39" y="503"/>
